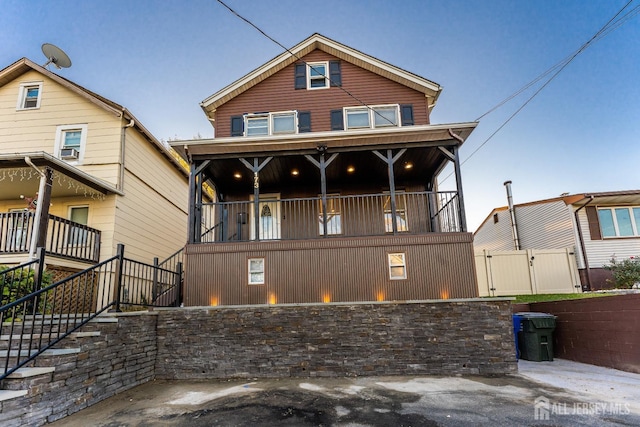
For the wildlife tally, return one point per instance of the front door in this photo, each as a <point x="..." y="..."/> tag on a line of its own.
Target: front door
<point x="269" y="220"/>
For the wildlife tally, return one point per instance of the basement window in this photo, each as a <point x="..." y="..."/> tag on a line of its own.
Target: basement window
<point x="256" y="271"/>
<point x="397" y="266"/>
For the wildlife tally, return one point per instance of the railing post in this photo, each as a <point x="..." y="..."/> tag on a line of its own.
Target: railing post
<point x="178" y="279"/>
<point x="118" y="278"/>
<point x="37" y="275"/>
<point x="154" y="289"/>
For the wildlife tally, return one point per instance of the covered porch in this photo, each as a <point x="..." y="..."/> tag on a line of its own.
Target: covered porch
<point x="31" y="184"/>
<point x="326" y="217"/>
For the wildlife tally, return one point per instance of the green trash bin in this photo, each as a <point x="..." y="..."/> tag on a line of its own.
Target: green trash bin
<point x="535" y="338"/>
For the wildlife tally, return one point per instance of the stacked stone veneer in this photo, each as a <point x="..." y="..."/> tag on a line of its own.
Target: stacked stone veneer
<point x="122" y="357"/>
<point x="314" y="340"/>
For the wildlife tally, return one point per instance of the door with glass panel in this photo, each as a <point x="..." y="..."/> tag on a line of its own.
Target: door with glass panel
<point x="78" y="236"/>
<point x="269" y="220"/>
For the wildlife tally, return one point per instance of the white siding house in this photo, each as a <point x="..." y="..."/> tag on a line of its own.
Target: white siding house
<point x="596" y="226"/>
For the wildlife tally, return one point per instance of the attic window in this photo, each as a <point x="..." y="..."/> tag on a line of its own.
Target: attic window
<point x="29" y="96"/>
<point x="317" y="75"/>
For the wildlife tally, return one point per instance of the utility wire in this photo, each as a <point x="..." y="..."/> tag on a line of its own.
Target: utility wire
<point x="606" y="29"/>
<point x="328" y="78"/>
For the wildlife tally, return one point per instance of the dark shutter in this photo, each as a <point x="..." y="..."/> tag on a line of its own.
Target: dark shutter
<point x="301" y="76"/>
<point x="334" y="73"/>
<point x="237" y="126"/>
<point x="304" y="121"/>
<point x="406" y="114"/>
<point x="337" y="122"/>
<point x="594" y="223"/>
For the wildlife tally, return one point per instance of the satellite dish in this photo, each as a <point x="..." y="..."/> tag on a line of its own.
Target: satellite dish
<point x="55" y="56"/>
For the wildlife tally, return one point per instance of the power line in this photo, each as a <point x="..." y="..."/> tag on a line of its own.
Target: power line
<point x="328" y="78"/>
<point x="606" y="29"/>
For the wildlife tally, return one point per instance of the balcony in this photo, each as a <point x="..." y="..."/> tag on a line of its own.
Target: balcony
<point x="336" y="216"/>
<point x="65" y="238"/>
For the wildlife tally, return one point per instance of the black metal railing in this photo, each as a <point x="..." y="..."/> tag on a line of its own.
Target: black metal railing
<point x="65" y="238"/>
<point x="345" y="216"/>
<point x="35" y="318"/>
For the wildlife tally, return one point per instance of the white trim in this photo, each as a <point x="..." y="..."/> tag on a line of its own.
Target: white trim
<point x="22" y="93"/>
<point x="325" y="77"/>
<point x="403" y="265"/>
<point x="635" y="228"/>
<point x="249" y="271"/>
<point x="270" y="116"/>
<point x="371" y="112"/>
<point x="59" y="144"/>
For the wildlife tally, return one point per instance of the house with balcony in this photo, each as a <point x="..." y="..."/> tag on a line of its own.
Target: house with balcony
<point x="80" y="174"/>
<point x="597" y="227"/>
<point x="325" y="167"/>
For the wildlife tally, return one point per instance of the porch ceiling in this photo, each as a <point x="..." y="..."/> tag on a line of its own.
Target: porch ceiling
<point x="354" y="148"/>
<point x="17" y="178"/>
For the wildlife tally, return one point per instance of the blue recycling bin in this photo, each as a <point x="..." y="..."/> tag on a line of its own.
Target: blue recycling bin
<point x="517" y="320"/>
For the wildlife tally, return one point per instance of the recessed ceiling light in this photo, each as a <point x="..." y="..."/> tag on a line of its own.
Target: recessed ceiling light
<point x="237" y="175"/>
<point x="295" y="172"/>
<point x="351" y="169"/>
<point x="408" y="165"/>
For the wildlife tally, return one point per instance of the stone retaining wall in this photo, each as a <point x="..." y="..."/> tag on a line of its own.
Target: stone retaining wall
<point x="122" y="357"/>
<point x="351" y="339"/>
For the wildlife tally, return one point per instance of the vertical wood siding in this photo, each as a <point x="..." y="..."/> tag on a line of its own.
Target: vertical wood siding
<point x="277" y="93"/>
<point x="331" y="270"/>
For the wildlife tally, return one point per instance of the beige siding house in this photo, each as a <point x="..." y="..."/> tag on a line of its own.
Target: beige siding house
<point x="106" y="179"/>
<point x="595" y="226"/>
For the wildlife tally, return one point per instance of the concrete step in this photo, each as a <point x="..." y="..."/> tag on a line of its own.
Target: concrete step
<point x="50" y="352"/>
<point x="6" y="395"/>
<point x="30" y="372"/>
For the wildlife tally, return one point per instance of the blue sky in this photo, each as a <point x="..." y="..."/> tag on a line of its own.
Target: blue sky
<point x="580" y="134"/>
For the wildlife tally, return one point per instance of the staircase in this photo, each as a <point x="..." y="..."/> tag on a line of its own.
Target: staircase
<point x="26" y="394"/>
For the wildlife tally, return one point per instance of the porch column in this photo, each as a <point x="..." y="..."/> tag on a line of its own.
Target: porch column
<point x="256" y="168"/>
<point x="322" y="165"/>
<point x="195" y="201"/>
<point x="432" y="205"/>
<point x="39" y="234"/>
<point x="390" y="159"/>
<point x="456" y="163"/>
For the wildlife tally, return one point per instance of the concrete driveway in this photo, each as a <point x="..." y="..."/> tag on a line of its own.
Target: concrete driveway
<point x="559" y="393"/>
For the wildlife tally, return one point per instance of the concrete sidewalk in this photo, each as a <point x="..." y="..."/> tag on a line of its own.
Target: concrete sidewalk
<point x="559" y="393"/>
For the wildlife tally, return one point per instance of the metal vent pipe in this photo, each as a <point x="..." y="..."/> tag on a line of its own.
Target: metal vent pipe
<point x="512" y="214"/>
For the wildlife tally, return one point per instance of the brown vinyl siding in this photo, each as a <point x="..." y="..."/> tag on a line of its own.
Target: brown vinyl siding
<point x="277" y="93"/>
<point x="354" y="269"/>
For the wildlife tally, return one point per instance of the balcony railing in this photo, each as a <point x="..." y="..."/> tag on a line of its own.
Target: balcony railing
<point x="345" y="216"/>
<point x="64" y="238"/>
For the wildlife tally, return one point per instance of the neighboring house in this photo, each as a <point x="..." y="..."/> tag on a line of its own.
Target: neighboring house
<point x="325" y="164"/>
<point x="598" y="226"/>
<point x="86" y="171"/>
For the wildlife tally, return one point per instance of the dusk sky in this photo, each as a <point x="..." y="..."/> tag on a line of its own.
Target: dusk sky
<point x="160" y="59"/>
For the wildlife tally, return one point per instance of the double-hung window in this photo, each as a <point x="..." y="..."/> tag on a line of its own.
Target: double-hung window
<point x="317" y="75"/>
<point x="256" y="271"/>
<point x="371" y="117"/>
<point x="620" y="221"/>
<point x="397" y="266"/>
<point x="70" y="142"/>
<point x="29" y="96"/>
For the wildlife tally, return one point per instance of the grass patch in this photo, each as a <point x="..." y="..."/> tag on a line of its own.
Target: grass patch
<point x="523" y="299"/>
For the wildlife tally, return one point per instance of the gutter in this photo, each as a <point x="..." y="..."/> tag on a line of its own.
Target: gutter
<point x="581" y="240"/>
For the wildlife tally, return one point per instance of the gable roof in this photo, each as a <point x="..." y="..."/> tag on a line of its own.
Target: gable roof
<point x="25" y="65"/>
<point x="317" y="41"/>
<point x="623" y="197"/>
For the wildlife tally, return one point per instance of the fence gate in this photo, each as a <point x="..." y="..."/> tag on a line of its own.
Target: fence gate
<point x="525" y="272"/>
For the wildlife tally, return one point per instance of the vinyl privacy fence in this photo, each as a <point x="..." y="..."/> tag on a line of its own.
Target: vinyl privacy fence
<point x="527" y="272"/>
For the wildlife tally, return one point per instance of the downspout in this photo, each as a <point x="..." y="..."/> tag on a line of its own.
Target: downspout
<point x="36" y="222"/>
<point x="120" y="185"/>
<point x="512" y="213"/>
<point x="585" y="258"/>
